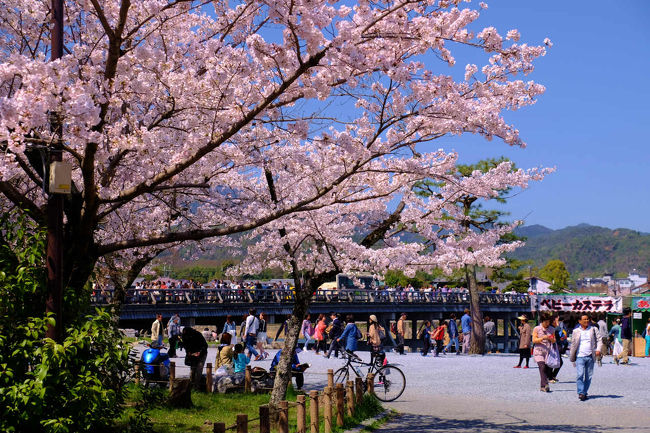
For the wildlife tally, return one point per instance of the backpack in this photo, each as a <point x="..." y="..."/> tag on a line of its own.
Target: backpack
<point x="393" y="328"/>
<point x="439" y="333"/>
<point x="381" y="332"/>
<point x="358" y="335"/>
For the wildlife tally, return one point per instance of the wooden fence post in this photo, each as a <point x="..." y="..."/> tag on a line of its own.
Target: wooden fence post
<point x="340" y="404"/>
<point x="172" y="374"/>
<point x="242" y="423"/>
<point x="137" y="373"/>
<point x="283" y="419"/>
<point x="247" y="379"/>
<point x="350" y="397"/>
<point x="313" y="411"/>
<point x="371" y="383"/>
<point x="208" y="377"/>
<point x="330" y="378"/>
<point x="327" y="408"/>
<point x="265" y="419"/>
<point x="301" y="414"/>
<point x="358" y="382"/>
<point x="219" y="427"/>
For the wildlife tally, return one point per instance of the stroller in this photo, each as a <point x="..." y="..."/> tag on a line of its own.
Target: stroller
<point x="261" y="379"/>
<point x="155" y="366"/>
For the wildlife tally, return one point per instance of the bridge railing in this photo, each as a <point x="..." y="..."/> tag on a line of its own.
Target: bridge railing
<point x="261" y="296"/>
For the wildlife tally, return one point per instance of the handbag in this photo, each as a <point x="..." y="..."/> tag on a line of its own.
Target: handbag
<point x="618" y="347"/>
<point x="553" y="357"/>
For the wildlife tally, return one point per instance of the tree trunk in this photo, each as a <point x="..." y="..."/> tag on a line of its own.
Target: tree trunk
<point x="181" y="394"/>
<point x="477" y="340"/>
<point x="283" y="369"/>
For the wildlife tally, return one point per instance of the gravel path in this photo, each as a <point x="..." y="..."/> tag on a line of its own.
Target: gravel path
<point x="485" y="394"/>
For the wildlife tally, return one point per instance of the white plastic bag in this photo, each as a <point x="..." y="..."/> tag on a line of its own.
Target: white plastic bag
<point x="618" y="348"/>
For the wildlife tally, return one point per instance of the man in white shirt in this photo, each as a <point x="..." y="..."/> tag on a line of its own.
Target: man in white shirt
<point x="602" y="328"/>
<point x="250" y="333"/>
<point x="584" y="351"/>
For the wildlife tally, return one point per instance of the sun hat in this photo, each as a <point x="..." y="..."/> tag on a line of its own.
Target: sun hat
<point x="373" y="318"/>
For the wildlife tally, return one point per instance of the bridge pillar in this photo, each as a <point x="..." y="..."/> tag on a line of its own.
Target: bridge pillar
<point x="413" y="342"/>
<point x="506" y="333"/>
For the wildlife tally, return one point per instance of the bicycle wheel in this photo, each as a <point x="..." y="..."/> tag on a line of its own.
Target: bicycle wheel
<point x="341" y="375"/>
<point x="389" y="383"/>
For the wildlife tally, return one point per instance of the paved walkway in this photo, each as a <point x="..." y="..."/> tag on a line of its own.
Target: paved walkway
<point x="485" y="394"/>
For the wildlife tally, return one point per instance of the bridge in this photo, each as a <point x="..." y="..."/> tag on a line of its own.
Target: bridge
<point x="211" y="306"/>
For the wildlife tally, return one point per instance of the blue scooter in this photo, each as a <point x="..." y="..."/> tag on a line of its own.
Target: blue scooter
<point x="155" y="365"/>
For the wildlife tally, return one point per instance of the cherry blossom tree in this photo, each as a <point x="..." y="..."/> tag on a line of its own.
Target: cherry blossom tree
<point x="192" y="120"/>
<point x="369" y="233"/>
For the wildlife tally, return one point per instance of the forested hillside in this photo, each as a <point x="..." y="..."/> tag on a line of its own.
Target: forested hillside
<point x="586" y="250"/>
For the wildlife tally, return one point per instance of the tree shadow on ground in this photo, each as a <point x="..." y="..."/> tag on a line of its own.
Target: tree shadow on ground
<point x="425" y="423"/>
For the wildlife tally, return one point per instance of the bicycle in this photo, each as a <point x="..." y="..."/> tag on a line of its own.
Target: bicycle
<point x="389" y="381"/>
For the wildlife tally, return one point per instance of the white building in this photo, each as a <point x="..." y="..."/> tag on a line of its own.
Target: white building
<point x="537" y="285"/>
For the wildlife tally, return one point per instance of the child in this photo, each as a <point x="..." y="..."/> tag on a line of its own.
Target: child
<point x="240" y="359"/>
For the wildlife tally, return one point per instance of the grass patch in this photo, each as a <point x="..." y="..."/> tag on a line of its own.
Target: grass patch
<point x="211" y="408"/>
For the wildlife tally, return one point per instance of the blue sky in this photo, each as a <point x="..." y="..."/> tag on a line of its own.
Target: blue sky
<point x="592" y="123"/>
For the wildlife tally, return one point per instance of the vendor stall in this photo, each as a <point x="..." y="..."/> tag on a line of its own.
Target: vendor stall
<point x="640" y="315"/>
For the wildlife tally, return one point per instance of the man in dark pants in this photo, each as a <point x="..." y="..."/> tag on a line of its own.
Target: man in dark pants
<point x="196" y="351"/>
<point x="297" y="368"/>
<point x="626" y="336"/>
<point x="335" y="333"/>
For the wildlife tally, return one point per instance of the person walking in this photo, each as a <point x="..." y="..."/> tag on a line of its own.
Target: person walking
<point x="334" y="334"/>
<point x="231" y="328"/>
<point x="466" y="327"/>
<point x="552" y="373"/>
<point x="400" y="333"/>
<point x="376" y="335"/>
<point x="350" y="335"/>
<point x="543" y="339"/>
<point x="319" y="334"/>
<point x="626" y="336"/>
<point x="283" y="328"/>
<point x="196" y="350"/>
<point x="490" y="329"/>
<point x="647" y="339"/>
<point x="525" y="334"/>
<point x="262" y="336"/>
<point x="173" y="333"/>
<point x="584" y="351"/>
<point x="615" y="337"/>
<point x="438" y="336"/>
<point x="603" y="343"/>
<point x="425" y="334"/>
<point x="157" y="331"/>
<point x="251" y="327"/>
<point x="452" y="329"/>
<point x="307" y="330"/>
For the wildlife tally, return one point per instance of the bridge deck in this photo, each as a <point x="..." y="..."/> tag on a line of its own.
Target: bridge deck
<point x="205" y="303"/>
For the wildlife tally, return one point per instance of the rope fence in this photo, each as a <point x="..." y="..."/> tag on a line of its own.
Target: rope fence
<point x="336" y="400"/>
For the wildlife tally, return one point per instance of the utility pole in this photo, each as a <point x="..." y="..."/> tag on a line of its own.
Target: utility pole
<point x="54" y="303"/>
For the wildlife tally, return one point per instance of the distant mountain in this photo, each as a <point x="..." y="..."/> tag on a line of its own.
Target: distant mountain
<point x="585" y="249"/>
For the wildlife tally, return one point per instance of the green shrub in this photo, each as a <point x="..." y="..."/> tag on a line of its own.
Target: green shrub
<point x="76" y="386"/>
